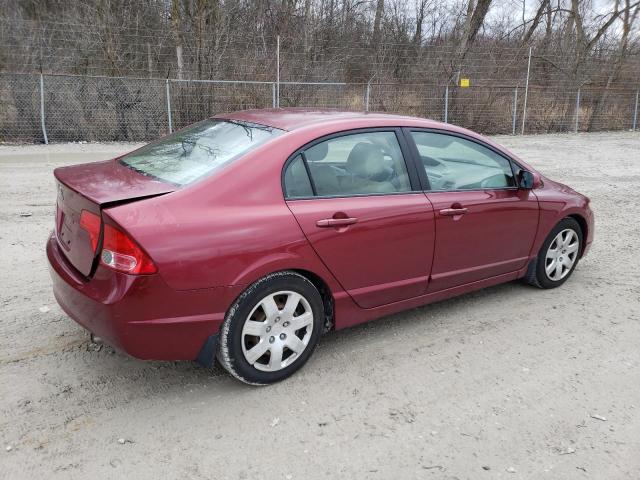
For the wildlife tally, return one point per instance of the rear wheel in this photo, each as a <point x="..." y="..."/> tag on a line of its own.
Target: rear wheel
<point x="272" y="329"/>
<point x="558" y="255"/>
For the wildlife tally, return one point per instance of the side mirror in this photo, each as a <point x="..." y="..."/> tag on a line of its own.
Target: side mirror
<point x="529" y="180"/>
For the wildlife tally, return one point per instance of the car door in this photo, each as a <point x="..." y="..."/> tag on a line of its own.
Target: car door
<point x="364" y="214"/>
<point x="485" y="224"/>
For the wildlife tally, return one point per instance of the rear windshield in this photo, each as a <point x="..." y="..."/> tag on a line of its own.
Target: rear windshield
<point x="198" y="150"/>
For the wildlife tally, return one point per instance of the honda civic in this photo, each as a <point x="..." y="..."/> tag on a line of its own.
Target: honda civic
<point x="246" y="236"/>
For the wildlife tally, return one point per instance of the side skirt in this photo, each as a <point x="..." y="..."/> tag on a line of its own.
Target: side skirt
<point x="348" y="314"/>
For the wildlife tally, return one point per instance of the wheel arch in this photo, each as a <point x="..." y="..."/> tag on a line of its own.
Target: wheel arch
<point x="318" y="281"/>
<point x="328" y="301"/>
<point x="584" y="226"/>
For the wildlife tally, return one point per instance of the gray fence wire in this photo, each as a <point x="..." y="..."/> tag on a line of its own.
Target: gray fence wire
<point x="59" y="108"/>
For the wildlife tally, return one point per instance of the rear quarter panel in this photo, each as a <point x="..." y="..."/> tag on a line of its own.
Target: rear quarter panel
<point x="230" y="229"/>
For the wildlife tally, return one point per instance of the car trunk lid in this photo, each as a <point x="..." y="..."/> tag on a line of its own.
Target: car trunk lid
<point x="90" y="188"/>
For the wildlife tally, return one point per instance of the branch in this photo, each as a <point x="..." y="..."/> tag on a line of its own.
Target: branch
<point x="535" y="21"/>
<point x="602" y="30"/>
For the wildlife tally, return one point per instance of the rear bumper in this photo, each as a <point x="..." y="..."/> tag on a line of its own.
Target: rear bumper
<point x="140" y="315"/>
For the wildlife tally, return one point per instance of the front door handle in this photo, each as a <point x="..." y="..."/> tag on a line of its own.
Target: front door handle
<point x="453" y="211"/>
<point x="336" y="222"/>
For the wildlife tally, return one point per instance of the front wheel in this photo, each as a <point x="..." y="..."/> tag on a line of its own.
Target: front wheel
<point x="272" y="329"/>
<point x="558" y="256"/>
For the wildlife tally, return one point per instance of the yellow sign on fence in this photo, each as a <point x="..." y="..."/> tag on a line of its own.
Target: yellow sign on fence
<point x="464" y="82"/>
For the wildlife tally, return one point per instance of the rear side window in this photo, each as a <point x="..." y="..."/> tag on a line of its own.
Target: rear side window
<point x="355" y="164"/>
<point x="454" y="163"/>
<point x="296" y="180"/>
<point x="198" y="150"/>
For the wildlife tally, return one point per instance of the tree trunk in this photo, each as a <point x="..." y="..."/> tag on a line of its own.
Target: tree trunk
<point x="149" y="61"/>
<point x="420" y="14"/>
<point x="177" y="37"/>
<point x="377" y="22"/>
<point x="544" y="6"/>
<point x="475" y="18"/>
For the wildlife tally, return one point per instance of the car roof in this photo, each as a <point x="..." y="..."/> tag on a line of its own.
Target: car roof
<point x="333" y="120"/>
<point x="294" y="118"/>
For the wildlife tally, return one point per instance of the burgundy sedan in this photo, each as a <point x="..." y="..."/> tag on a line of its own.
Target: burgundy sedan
<point x="246" y="236"/>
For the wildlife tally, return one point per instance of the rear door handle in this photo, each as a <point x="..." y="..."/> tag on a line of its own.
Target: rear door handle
<point x="453" y="211"/>
<point x="336" y="222"/>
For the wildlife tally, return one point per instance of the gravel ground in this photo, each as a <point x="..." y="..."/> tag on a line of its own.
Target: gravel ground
<point x="509" y="382"/>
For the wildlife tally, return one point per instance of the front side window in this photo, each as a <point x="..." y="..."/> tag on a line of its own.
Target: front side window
<point x="454" y="163"/>
<point x="198" y="150"/>
<point x="358" y="164"/>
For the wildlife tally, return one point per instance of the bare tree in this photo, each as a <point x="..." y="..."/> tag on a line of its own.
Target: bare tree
<point x="543" y="8"/>
<point x="476" y="13"/>
<point x="586" y="42"/>
<point x="410" y="47"/>
<point x="629" y="17"/>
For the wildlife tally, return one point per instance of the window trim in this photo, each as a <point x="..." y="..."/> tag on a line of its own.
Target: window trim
<point x="405" y="149"/>
<point x="422" y="174"/>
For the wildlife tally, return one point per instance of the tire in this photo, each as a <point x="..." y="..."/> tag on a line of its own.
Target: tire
<point x="259" y="341"/>
<point x="538" y="275"/>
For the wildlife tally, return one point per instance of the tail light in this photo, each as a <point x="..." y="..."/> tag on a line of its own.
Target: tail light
<point x="90" y="223"/>
<point x="119" y="251"/>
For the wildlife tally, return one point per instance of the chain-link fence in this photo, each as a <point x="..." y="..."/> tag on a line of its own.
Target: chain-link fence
<point x="40" y="108"/>
<point x="20" y="119"/>
<point x="136" y="82"/>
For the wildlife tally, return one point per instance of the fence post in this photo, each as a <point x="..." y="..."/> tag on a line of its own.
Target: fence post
<point x="577" y="111"/>
<point x="515" y="111"/>
<point x="273" y="95"/>
<point x="169" y="105"/>
<point x="635" y="112"/>
<point x="526" y="93"/>
<point x="367" y="92"/>
<point x="446" y="104"/>
<point x="44" y="129"/>
<point x="278" y="71"/>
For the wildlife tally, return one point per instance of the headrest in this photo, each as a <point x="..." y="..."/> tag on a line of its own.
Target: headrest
<point x="317" y="153"/>
<point x="365" y="159"/>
